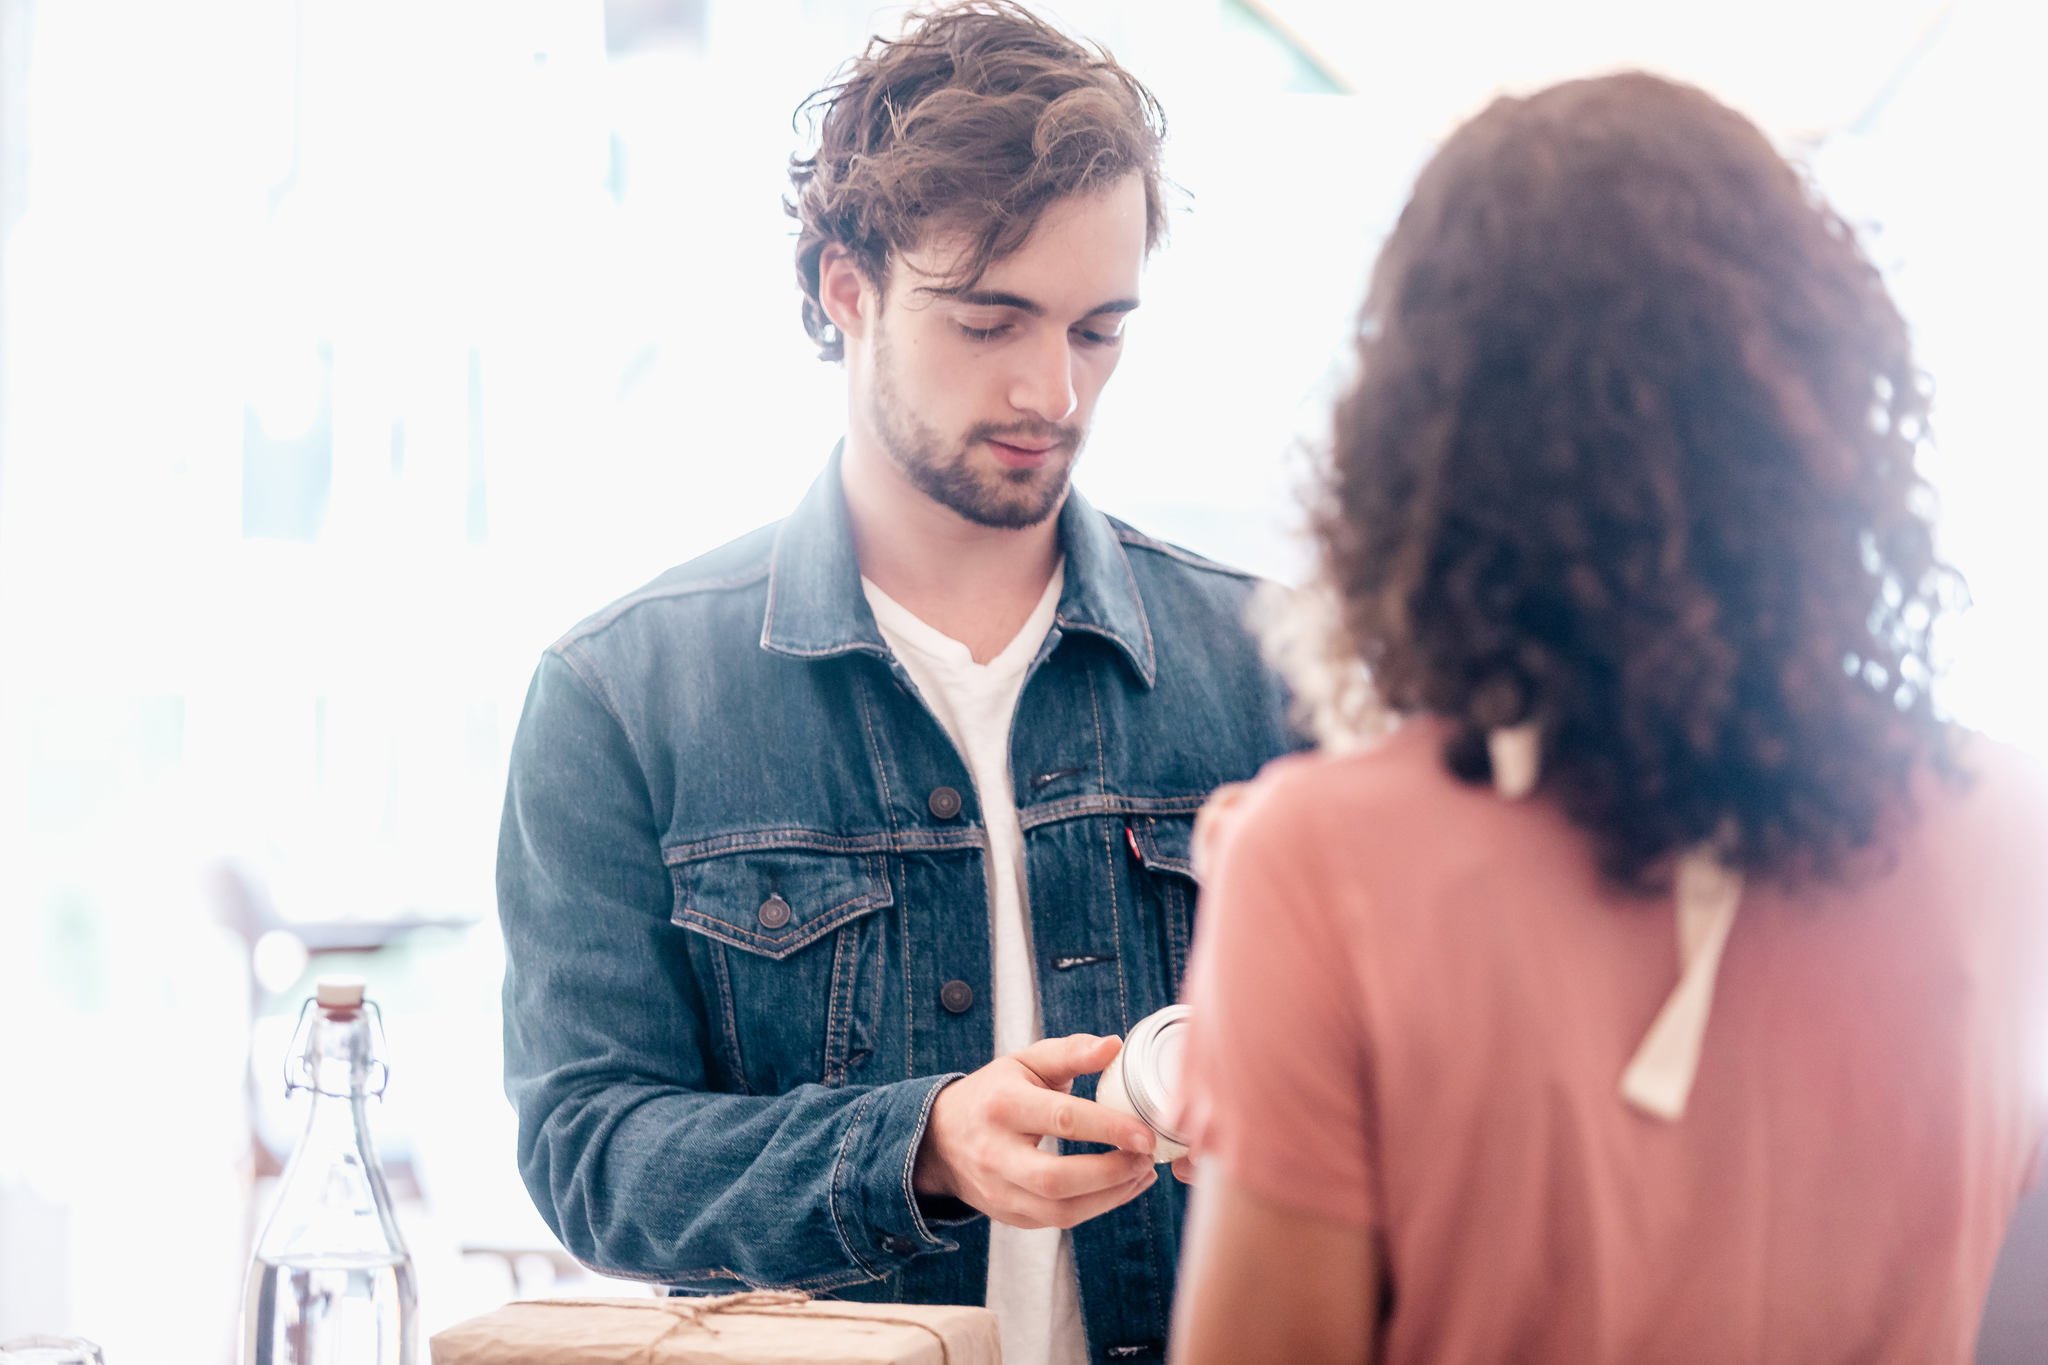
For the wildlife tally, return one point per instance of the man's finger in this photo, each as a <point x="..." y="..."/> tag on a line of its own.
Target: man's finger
<point x="1076" y="1176"/>
<point x="1067" y="1213"/>
<point x="1053" y="1113"/>
<point x="1056" y="1061"/>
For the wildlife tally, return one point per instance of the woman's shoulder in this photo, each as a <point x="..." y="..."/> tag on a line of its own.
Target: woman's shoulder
<point x="1984" y="789"/>
<point x="1400" y="769"/>
<point x="1396" y="788"/>
<point x="1986" y="802"/>
<point x="2010" y="774"/>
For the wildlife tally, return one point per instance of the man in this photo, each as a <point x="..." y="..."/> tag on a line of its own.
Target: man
<point x="834" y="859"/>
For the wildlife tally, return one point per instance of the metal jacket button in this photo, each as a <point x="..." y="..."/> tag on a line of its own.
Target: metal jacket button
<point x="944" y="802"/>
<point x="957" y="997"/>
<point x="774" y="912"/>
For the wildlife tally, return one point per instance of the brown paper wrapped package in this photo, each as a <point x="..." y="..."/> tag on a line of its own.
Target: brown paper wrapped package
<point x="763" y="1328"/>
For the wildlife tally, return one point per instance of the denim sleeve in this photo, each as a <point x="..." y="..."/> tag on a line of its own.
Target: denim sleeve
<point x="640" y="1169"/>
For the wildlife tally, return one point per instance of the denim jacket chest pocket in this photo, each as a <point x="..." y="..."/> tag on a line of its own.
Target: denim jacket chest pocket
<point x="787" y="950"/>
<point x="1162" y="846"/>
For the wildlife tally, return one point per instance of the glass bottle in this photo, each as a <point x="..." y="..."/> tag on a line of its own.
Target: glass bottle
<point x="331" y="1282"/>
<point x="49" y="1350"/>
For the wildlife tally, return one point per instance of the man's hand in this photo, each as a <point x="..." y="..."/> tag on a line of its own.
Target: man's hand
<point x="981" y="1140"/>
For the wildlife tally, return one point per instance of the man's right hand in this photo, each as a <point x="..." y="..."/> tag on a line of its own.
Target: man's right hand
<point x="981" y="1139"/>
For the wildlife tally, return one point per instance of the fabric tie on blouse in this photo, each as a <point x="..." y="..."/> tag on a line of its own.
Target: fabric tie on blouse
<point x="1658" y="1079"/>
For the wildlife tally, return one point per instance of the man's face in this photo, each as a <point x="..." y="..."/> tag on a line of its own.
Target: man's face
<point x="982" y="399"/>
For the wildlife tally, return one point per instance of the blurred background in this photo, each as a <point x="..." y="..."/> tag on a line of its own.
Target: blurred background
<point x="351" y="350"/>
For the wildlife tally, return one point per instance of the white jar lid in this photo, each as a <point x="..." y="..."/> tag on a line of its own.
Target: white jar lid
<point x="1151" y="1068"/>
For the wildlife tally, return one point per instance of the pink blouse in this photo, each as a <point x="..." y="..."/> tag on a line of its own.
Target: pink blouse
<point x="1414" y="1001"/>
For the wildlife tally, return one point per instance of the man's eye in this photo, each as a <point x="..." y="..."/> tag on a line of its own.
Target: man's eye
<point x="984" y="333"/>
<point x="1091" y="337"/>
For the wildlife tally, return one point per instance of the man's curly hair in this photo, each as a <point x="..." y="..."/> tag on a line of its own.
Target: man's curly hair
<point x="976" y="120"/>
<point x="1630" y="456"/>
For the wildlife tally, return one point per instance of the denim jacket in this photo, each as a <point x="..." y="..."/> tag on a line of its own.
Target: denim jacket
<point x="741" y="883"/>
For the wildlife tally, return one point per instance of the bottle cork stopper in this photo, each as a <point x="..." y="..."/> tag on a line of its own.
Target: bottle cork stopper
<point x="339" y="992"/>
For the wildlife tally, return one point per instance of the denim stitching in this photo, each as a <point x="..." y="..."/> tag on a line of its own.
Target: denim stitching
<point x="1151" y="669"/>
<point x="755" y="841"/>
<point x="1146" y="674"/>
<point x="874" y="1009"/>
<point x="732" y="1028"/>
<point x="603" y="619"/>
<point x="1123" y="1000"/>
<point x="837" y="1010"/>
<point x="778" y="948"/>
<point x="1148" y="852"/>
<point x="924" y="1115"/>
<point x="1145" y="1211"/>
<point x="876" y="757"/>
<point x="1179" y="916"/>
<point x="1133" y="537"/>
<point x="592" y="679"/>
<point x="838" y="1279"/>
<point x="669" y="1279"/>
<point x="909" y="976"/>
<point x="813" y="841"/>
<point x="835" y="1279"/>
<point x="824" y="651"/>
<point x="1117" y="937"/>
<point x="1086" y="807"/>
<point x="774" y="646"/>
<point x="768" y="599"/>
<point x="666" y="1277"/>
<point x="836" y="1184"/>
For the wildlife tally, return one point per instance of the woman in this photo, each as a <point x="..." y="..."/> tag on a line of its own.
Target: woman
<point x="1668" y="984"/>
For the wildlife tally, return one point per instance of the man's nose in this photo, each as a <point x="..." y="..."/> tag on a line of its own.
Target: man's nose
<point x="1043" y="385"/>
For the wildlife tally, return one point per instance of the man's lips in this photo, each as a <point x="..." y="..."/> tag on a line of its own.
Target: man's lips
<point x="1022" y="456"/>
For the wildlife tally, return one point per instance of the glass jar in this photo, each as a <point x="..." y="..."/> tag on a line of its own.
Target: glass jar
<point x="1143" y="1080"/>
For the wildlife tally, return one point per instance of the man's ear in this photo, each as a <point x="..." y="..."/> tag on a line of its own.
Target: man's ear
<point x="844" y="292"/>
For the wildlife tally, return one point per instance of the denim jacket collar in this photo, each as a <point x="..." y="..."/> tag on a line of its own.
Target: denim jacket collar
<point x="816" y="608"/>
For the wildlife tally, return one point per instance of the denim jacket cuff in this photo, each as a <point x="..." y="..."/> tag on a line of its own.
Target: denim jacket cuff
<point x="873" y="1200"/>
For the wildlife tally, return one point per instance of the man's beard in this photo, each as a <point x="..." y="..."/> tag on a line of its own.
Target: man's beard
<point x="1006" y="499"/>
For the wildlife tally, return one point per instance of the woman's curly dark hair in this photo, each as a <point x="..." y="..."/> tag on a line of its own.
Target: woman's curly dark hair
<point x="1630" y="456"/>
<point x="977" y="119"/>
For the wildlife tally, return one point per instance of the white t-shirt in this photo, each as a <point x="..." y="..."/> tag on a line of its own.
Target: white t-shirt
<point x="1031" y="1279"/>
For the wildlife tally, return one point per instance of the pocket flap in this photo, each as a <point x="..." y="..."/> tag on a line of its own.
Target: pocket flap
<point x="775" y="901"/>
<point x="1164" y="843"/>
